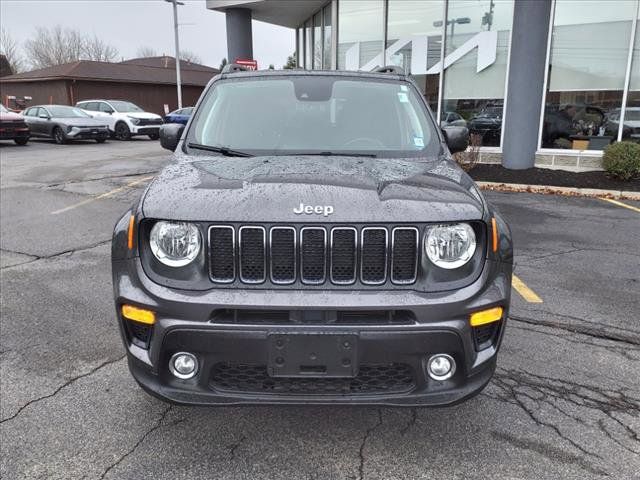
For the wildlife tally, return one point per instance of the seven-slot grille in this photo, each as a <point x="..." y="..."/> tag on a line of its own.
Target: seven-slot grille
<point x="340" y="255"/>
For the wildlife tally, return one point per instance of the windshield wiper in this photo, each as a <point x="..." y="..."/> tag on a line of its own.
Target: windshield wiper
<point x="227" y="152"/>
<point x="337" y="154"/>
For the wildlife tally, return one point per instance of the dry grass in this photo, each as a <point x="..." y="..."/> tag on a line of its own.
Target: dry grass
<point x="471" y="156"/>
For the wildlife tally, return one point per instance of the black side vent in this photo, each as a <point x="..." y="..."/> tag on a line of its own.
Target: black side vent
<point x="313" y="255"/>
<point x="343" y="255"/>
<point x="283" y="255"/>
<point x="374" y="255"/>
<point x="252" y="254"/>
<point x="222" y="253"/>
<point x="404" y="255"/>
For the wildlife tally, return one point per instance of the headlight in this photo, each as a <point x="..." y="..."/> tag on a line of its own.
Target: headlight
<point x="133" y="120"/>
<point x="450" y="246"/>
<point x="175" y="244"/>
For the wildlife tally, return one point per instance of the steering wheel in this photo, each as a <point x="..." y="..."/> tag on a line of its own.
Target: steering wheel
<point x="364" y="142"/>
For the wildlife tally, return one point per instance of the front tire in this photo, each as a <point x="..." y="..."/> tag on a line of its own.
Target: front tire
<point x="101" y="140"/>
<point x="21" y="141"/>
<point x="122" y="131"/>
<point x="154" y="136"/>
<point x="58" y="136"/>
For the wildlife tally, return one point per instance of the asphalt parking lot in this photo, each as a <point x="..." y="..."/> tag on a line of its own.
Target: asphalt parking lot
<point x="564" y="403"/>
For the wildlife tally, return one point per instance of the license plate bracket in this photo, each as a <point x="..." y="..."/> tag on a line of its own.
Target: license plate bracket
<point x="329" y="355"/>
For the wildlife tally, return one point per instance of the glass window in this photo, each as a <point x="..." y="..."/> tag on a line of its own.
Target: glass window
<point x="360" y="32"/>
<point x="326" y="55"/>
<point x="477" y="51"/>
<point x="322" y="114"/>
<point x="411" y="28"/>
<point x="317" y="41"/>
<point x="308" y="45"/>
<point x="587" y="65"/>
<point x="300" y="52"/>
<point x="631" y="124"/>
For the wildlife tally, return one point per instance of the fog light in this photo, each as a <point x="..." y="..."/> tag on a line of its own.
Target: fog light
<point x="441" y="367"/>
<point x="183" y="365"/>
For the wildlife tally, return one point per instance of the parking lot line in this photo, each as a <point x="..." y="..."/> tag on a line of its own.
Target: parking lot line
<point x="104" y="195"/>
<point x="524" y="291"/>
<point x="620" y="204"/>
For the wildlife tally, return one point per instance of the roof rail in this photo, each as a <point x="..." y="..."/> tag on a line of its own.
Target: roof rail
<point x="390" y="69"/>
<point x="233" y="67"/>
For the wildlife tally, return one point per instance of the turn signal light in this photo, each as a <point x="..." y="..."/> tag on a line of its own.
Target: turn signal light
<point x="494" y="235"/>
<point x="132" y="226"/>
<point x="486" y="316"/>
<point x="138" y="314"/>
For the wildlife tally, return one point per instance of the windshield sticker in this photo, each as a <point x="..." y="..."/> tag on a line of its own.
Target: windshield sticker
<point x="403" y="88"/>
<point x="403" y="97"/>
<point x="418" y="141"/>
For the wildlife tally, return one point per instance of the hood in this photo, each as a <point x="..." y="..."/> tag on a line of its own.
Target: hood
<point x="10" y="117"/>
<point x="145" y="115"/>
<point x="269" y="189"/>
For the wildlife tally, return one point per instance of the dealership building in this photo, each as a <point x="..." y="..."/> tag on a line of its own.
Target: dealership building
<point x="541" y="82"/>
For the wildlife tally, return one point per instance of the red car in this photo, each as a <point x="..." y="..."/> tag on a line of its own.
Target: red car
<point x="13" y="127"/>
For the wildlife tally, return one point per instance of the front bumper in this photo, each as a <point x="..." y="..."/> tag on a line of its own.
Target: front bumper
<point x="88" y="133"/>
<point x="11" y="133"/>
<point x="185" y="322"/>
<point x="145" y="129"/>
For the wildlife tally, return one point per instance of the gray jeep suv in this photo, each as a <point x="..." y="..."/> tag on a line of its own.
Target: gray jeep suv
<point x="313" y="242"/>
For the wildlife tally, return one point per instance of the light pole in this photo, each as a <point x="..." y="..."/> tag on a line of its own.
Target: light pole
<point x="452" y="22"/>
<point x="175" y="28"/>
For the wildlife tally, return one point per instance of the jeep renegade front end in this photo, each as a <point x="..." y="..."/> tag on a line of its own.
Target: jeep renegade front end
<point x="313" y="242"/>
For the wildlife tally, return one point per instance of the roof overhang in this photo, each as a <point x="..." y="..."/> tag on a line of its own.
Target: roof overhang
<point x="286" y="13"/>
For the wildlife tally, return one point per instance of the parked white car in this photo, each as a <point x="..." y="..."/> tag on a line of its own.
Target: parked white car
<point x="124" y="119"/>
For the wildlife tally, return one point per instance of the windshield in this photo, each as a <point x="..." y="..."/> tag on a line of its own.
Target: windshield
<point x="66" y="112"/>
<point x="125" y="107"/>
<point x="315" y="114"/>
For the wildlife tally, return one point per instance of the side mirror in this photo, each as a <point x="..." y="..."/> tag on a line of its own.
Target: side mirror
<point x="457" y="138"/>
<point x="170" y="134"/>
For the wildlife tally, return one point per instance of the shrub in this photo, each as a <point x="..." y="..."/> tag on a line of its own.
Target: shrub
<point x="469" y="158"/>
<point x="622" y="160"/>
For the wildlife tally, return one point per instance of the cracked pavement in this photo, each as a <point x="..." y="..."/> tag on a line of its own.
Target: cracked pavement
<point x="564" y="403"/>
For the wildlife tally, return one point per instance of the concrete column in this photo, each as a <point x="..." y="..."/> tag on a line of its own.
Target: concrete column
<point x="239" y="34"/>
<point x="526" y="82"/>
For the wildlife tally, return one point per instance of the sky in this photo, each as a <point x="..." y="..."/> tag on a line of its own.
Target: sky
<point x="131" y="24"/>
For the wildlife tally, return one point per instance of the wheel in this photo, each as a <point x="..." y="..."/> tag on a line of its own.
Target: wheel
<point x="21" y="141"/>
<point x="58" y="136"/>
<point x="154" y="136"/>
<point x="122" y="131"/>
<point x="101" y="140"/>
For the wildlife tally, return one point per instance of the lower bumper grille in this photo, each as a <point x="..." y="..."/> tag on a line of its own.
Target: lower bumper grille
<point x="371" y="379"/>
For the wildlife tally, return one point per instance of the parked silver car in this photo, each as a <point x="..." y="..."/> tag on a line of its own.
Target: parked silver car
<point x="63" y="124"/>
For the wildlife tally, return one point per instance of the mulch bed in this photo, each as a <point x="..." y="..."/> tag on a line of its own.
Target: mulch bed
<point x="556" y="178"/>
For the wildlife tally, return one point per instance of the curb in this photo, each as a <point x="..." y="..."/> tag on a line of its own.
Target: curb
<point x="566" y="191"/>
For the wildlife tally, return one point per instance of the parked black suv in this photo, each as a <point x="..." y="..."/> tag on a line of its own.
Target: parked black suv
<point x="312" y="243"/>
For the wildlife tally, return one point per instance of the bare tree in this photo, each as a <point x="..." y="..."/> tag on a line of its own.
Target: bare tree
<point x="98" y="50"/>
<point x="189" y="56"/>
<point x="55" y="46"/>
<point x="9" y="48"/>
<point x="145" y="52"/>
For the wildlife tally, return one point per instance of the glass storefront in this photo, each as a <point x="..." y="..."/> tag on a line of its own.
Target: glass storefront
<point x="631" y="124"/>
<point x="587" y="66"/>
<point x="414" y="20"/>
<point x="360" y="31"/>
<point x="586" y="76"/>
<point x="317" y="41"/>
<point x="474" y="84"/>
<point x="326" y="50"/>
